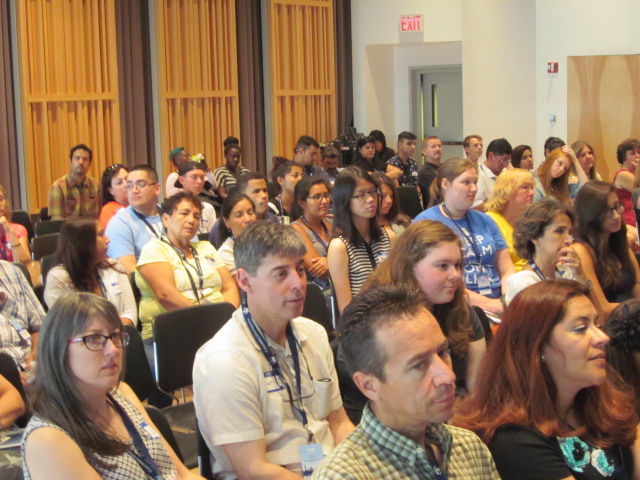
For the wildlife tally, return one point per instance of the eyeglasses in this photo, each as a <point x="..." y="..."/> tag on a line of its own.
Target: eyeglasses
<point x="96" y="341"/>
<point x="362" y="197"/>
<point x="141" y="184"/>
<point x="319" y="197"/>
<point x="616" y="208"/>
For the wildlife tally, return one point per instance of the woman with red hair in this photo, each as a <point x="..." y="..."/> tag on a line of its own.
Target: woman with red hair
<point x="542" y="400"/>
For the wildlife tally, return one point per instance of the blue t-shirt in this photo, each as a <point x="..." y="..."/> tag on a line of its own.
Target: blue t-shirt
<point x="488" y="241"/>
<point x="128" y="233"/>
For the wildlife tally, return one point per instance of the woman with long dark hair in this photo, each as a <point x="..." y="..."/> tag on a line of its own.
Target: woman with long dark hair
<point x="82" y="265"/>
<point x="543" y="401"/>
<point x="603" y="248"/>
<point x="287" y="175"/>
<point x="236" y="214"/>
<point x="114" y="192"/>
<point x="359" y="244"/>
<point x="87" y="423"/>
<point x="389" y="215"/>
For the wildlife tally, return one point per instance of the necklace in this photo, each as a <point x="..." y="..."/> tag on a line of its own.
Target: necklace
<point x="111" y="429"/>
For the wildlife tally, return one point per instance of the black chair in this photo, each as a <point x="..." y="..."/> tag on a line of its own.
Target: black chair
<point x="44" y="245"/>
<point x="21" y="217"/>
<point x="204" y="456"/>
<point x="177" y="337"/>
<point x="44" y="214"/>
<point x="137" y="372"/>
<point x="134" y="286"/>
<point x="9" y="370"/>
<point x="49" y="226"/>
<point x="162" y="424"/>
<point x="46" y="263"/>
<point x="25" y="271"/>
<point x="39" y="292"/>
<point x="409" y="201"/>
<point x="315" y="308"/>
<point x="203" y="236"/>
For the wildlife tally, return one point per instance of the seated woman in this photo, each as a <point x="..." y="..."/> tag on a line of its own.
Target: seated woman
<point x="543" y="238"/>
<point x="114" y="192"/>
<point x="623" y="351"/>
<point x="486" y="259"/>
<point x="428" y="256"/>
<point x="287" y="175"/>
<point x="586" y="156"/>
<point x="601" y="244"/>
<point x="82" y="265"/>
<point x="390" y="216"/>
<point x="173" y="272"/>
<point x="542" y="400"/>
<point x="627" y="156"/>
<point x="309" y="212"/>
<point x="366" y="156"/>
<point x="86" y="423"/>
<point x="522" y="157"/>
<point x="512" y="195"/>
<point x="14" y="241"/>
<point x="237" y="212"/>
<point x="359" y="244"/>
<point x="552" y="177"/>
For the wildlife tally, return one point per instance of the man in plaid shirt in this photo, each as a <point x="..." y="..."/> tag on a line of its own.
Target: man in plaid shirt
<point x="399" y="358"/>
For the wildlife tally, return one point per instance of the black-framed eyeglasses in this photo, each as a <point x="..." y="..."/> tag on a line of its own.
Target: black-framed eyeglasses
<point x="319" y="197"/>
<point x="362" y="197"/>
<point x="141" y="184"/>
<point x="97" y="341"/>
<point x="616" y="208"/>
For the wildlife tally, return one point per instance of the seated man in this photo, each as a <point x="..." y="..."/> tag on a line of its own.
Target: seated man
<point x="192" y="179"/>
<point x="20" y="317"/>
<point x="132" y="227"/>
<point x="402" y="168"/>
<point x="399" y="358"/>
<point x="265" y="386"/>
<point x="76" y="193"/>
<point x="330" y="162"/>
<point x="307" y="151"/>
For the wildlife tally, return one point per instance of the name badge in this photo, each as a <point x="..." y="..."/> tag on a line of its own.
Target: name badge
<point x="150" y="431"/>
<point x="24" y="334"/>
<point x="484" y="283"/>
<point x="310" y="456"/>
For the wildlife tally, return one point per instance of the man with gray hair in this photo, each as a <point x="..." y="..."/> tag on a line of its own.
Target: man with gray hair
<point x="265" y="386"/>
<point x="399" y="358"/>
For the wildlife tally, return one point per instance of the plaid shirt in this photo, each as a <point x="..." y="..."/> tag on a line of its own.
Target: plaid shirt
<point x="67" y="197"/>
<point x="22" y="307"/>
<point x="409" y="171"/>
<point x="374" y="451"/>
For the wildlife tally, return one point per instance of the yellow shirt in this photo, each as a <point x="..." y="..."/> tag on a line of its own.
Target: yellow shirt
<point x="507" y="232"/>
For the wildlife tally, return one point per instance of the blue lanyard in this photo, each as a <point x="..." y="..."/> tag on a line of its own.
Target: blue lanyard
<point x="260" y="339"/>
<point x="537" y="270"/>
<point x="318" y="237"/>
<point x="146" y="222"/>
<point x="469" y="238"/>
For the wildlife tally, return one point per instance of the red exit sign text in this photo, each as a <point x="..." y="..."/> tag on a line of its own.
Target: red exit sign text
<point x="411" y="23"/>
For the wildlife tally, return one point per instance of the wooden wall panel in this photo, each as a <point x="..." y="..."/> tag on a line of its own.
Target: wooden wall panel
<point x="198" y="76"/>
<point x="603" y="105"/>
<point x="70" y="88"/>
<point x="302" y="71"/>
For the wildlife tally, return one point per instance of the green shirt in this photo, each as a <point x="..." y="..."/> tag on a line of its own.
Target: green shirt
<point x="374" y="451"/>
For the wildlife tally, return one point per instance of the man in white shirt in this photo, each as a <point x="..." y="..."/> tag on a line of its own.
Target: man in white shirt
<point x="498" y="158"/>
<point x="472" y="145"/>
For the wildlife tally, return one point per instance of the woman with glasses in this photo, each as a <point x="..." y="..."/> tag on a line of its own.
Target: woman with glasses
<point x="602" y="246"/>
<point x="359" y="243"/>
<point x="82" y="265"/>
<point x="87" y="423"/>
<point x="309" y="212"/>
<point x="389" y="216"/>
<point x="552" y="177"/>
<point x="114" y="192"/>
<point x="486" y="259"/>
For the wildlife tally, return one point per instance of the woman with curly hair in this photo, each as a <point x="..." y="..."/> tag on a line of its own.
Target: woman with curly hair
<point x="543" y="402"/>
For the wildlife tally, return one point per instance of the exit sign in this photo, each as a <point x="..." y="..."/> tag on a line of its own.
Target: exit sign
<point x="411" y="23"/>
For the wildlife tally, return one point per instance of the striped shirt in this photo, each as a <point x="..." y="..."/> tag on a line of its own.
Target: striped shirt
<point x="374" y="451"/>
<point x="363" y="259"/>
<point x="225" y="178"/>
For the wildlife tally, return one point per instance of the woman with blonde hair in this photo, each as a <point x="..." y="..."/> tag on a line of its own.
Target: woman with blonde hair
<point x="512" y="195"/>
<point x="486" y="259"/>
<point x="552" y="177"/>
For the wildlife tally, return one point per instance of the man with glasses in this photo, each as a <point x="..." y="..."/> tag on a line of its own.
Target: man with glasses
<point x="76" y="193"/>
<point x="132" y="227"/>
<point x="498" y="158"/>
<point x="265" y="386"/>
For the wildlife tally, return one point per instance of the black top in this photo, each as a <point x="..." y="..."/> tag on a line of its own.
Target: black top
<point x="524" y="453"/>
<point x="621" y="291"/>
<point x="426" y="175"/>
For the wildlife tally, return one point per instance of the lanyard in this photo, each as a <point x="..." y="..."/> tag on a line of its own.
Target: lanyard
<point x="142" y="455"/>
<point x="146" y="222"/>
<point x="318" y="237"/>
<point x="467" y="237"/>
<point x="536" y="269"/>
<point x="185" y="264"/>
<point x="260" y="339"/>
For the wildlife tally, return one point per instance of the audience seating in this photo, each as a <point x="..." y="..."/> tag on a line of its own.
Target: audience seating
<point x="21" y="217"/>
<point x="46" y="263"/>
<point x="9" y="370"/>
<point x="44" y="214"/>
<point x="44" y="245"/>
<point x="203" y="237"/>
<point x="315" y="308"/>
<point x="204" y="456"/>
<point x="25" y="271"/>
<point x="162" y="424"/>
<point x="49" y="226"/>
<point x="409" y="201"/>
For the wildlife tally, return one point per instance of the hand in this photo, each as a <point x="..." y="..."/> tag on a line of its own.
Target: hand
<point x="3" y="221"/>
<point x="319" y="267"/>
<point x="567" y="257"/>
<point x="570" y="153"/>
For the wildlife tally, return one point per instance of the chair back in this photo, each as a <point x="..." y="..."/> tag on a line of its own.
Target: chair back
<point x="179" y="334"/>
<point x="315" y="308"/>
<point x="48" y="226"/>
<point x="203" y="237"/>
<point x="134" y="287"/>
<point x="25" y="271"/>
<point x="22" y="218"/>
<point x="44" y="214"/>
<point x="46" y="263"/>
<point x="137" y="371"/>
<point x="409" y="201"/>
<point x="44" y="245"/>
<point x="163" y="426"/>
<point x="9" y="370"/>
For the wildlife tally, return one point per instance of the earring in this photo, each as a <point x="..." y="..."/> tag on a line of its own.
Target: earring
<point x="542" y="357"/>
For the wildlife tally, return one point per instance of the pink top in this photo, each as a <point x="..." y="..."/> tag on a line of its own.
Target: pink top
<point x="629" y="214"/>
<point x="6" y="253"/>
